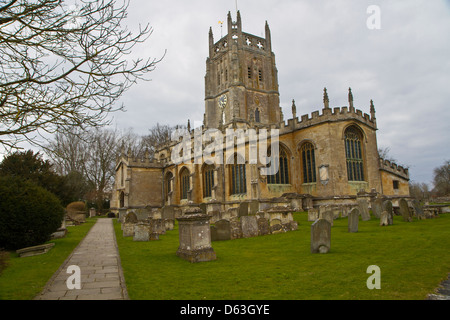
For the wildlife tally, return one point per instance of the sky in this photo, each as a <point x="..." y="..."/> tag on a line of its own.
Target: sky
<point x="403" y="65"/>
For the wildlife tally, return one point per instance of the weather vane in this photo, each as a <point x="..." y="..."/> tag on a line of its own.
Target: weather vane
<point x="221" y="24"/>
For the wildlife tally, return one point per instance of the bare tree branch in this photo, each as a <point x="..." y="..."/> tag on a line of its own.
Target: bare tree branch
<point x="64" y="68"/>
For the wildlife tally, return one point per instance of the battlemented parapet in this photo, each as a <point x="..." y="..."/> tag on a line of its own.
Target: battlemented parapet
<point x="393" y="168"/>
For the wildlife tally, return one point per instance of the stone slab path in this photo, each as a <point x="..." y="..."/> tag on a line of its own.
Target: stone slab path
<point x="98" y="259"/>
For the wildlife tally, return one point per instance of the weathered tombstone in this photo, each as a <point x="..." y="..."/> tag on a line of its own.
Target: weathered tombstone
<point x="168" y="212"/>
<point x="249" y="226"/>
<point x="243" y="209"/>
<point x="327" y="215"/>
<point x="236" y="229"/>
<point x="142" y="232"/>
<point x="254" y="206"/>
<point x="202" y="206"/>
<point x="92" y="212"/>
<point x="263" y="226"/>
<point x="128" y="229"/>
<point x="275" y="226"/>
<point x="363" y="207"/>
<point x="404" y="210"/>
<point x="313" y="214"/>
<point x="195" y="238"/>
<point x="377" y="207"/>
<point x="384" y="218"/>
<point x="387" y="206"/>
<point x="122" y="214"/>
<point x="223" y="230"/>
<point x="35" y="250"/>
<point x="320" y="236"/>
<point x="158" y="226"/>
<point x="353" y="220"/>
<point x="418" y="209"/>
<point x="131" y="217"/>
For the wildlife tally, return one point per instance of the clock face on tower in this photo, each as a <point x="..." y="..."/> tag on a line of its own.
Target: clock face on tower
<point x="223" y="101"/>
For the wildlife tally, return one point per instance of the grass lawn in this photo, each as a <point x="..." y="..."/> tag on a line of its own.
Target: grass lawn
<point x="413" y="258"/>
<point x="24" y="278"/>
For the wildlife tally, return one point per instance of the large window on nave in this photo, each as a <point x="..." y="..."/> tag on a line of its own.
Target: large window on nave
<point x="208" y="180"/>
<point x="184" y="179"/>
<point x="282" y="175"/>
<point x="238" y="177"/>
<point x="308" y="163"/>
<point x="354" y="154"/>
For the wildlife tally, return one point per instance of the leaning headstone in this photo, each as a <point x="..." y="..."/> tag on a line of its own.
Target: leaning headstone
<point x="404" y="210"/>
<point x="384" y="218"/>
<point x="313" y="214"/>
<point x="195" y="238"/>
<point x="249" y="226"/>
<point x="243" y="209"/>
<point x="387" y="206"/>
<point x="353" y="220"/>
<point x="377" y="207"/>
<point x="320" y="236"/>
<point x="418" y="209"/>
<point x="328" y="215"/>
<point x="363" y="207"/>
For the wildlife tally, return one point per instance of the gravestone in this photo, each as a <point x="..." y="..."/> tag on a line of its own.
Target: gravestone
<point x="158" y="226"/>
<point x="131" y="217"/>
<point x="128" y="229"/>
<point x="377" y="207"/>
<point x="404" y="210"/>
<point x="418" y="209"/>
<point x="195" y="238"/>
<point x="254" y="207"/>
<point x="387" y="206"/>
<point x="263" y="226"/>
<point x="122" y="214"/>
<point x="275" y="226"/>
<point x="363" y="207"/>
<point x="320" y="236"/>
<point x="384" y="218"/>
<point x="92" y="212"/>
<point x="327" y="215"/>
<point x="223" y="230"/>
<point x="35" y="250"/>
<point x="236" y="229"/>
<point x="313" y="214"/>
<point x="142" y="232"/>
<point x="249" y="226"/>
<point x="353" y="220"/>
<point x="168" y="212"/>
<point x="243" y="209"/>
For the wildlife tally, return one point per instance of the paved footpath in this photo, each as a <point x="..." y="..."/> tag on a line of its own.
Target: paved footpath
<point x="98" y="260"/>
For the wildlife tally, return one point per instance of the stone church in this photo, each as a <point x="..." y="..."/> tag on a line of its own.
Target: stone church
<point x="329" y="157"/>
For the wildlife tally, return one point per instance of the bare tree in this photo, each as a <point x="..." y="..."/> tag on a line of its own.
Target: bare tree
<point x="159" y="135"/>
<point x="63" y="65"/>
<point x="442" y="179"/>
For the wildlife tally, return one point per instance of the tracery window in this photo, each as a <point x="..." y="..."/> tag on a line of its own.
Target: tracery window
<point x="185" y="186"/>
<point x="353" y="154"/>
<point x="308" y="163"/>
<point x="282" y="176"/>
<point x="238" y="177"/>
<point x="208" y="180"/>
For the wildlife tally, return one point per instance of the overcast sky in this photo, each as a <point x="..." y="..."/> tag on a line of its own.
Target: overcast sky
<point x="404" y="66"/>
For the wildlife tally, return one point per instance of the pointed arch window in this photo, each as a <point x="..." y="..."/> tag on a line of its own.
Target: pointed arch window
<point x="238" y="177"/>
<point x="353" y="154"/>
<point x="208" y="180"/>
<point x="185" y="185"/>
<point x="168" y="185"/>
<point x="308" y="163"/>
<point x="282" y="176"/>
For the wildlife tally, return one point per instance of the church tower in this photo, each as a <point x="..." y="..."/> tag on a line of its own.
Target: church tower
<point x="241" y="81"/>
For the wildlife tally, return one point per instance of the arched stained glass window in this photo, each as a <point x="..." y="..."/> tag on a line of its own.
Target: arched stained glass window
<point x="238" y="177"/>
<point x="353" y="154"/>
<point x="308" y="163"/>
<point x="208" y="180"/>
<point x="282" y="176"/>
<point x="185" y="186"/>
